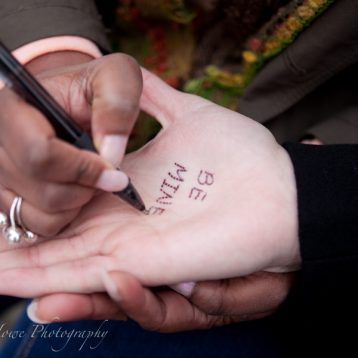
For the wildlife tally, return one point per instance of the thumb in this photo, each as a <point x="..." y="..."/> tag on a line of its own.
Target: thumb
<point x="165" y="103"/>
<point x="115" y="86"/>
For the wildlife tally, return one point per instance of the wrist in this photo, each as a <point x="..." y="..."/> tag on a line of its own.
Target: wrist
<point x="53" y="60"/>
<point x="289" y="257"/>
<point x="294" y="257"/>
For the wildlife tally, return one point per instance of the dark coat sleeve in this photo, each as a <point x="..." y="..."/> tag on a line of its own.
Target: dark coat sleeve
<point x="340" y="127"/>
<point x="310" y="88"/>
<point x="23" y="21"/>
<point x="327" y="189"/>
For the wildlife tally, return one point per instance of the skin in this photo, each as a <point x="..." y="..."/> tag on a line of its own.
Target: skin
<point x="314" y="141"/>
<point x="54" y="178"/>
<point x="246" y="224"/>
<point x="211" y="303"/>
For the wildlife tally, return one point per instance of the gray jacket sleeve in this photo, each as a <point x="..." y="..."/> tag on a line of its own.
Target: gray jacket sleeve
<point x="23" y="21"/>
<point x="342" y="129"/>
<point x="311" y="87"/>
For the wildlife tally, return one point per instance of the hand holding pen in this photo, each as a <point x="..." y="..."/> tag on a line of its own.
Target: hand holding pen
<point x="54" y="178"/>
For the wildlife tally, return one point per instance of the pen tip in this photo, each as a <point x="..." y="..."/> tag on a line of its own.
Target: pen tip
<point x="131" y="196"/>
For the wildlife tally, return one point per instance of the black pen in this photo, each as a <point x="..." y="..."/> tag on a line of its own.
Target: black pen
<point x="27" y="87"/>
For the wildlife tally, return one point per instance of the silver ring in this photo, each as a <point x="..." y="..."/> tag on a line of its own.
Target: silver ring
<point x="4" y="220"/>
<point x="11" y="232"/>
<point x="27" y="234"/>
<point x="18" y="210"/>
<point x="15" y="230"/>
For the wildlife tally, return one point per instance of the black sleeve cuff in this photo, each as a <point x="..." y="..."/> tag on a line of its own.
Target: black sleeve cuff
<point x="327" y="189"/>
<point x="22" y="22"/>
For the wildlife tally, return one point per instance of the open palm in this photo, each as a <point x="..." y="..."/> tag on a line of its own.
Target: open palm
<point x="221" y="199"/>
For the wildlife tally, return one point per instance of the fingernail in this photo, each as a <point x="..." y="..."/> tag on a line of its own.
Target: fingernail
<point x="112" y="180"/>
<point x="110" y="286"/>
<point x="184" y="288"/>
<point x="32" y="312"/>
<point x="113" y="148"/>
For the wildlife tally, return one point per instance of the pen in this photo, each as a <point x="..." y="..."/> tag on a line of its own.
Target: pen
<point x="27" y="87"/>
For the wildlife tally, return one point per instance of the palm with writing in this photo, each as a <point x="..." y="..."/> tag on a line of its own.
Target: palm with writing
<point x="222" y="203"/>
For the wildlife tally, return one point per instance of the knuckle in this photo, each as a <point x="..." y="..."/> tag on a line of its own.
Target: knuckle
<point x="131" y="62"/>
<point x="214" y="301"/>
<point x="87" y="171"/>
<point x="53" y="199"/>
<point x="156" y="324"/>
<point x="37" y="157"/>
<point x="58" y="198"/>
<point x="215" y="321"/>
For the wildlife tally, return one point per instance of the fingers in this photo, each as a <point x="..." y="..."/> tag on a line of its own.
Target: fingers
<point x="114" y="89"/>
<point x="70" y="307"/>
<point x="81" y="276"/>
<point x="49" y="196"/>
<point x="40" y="222"/>
<point x="164" y="311"/>
<point x="29" y="143"/>
<point x="19" y="120"/>
<point x="246" y="296"/>
<point x="48" y="206"/>
<point x="68" y="253"/>
<point x="50" y="159"/>
<point x="54" y="178"/>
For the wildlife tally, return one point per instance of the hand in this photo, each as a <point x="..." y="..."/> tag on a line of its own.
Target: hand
<point x="222" y="198"/>
<point x="210" y="304"/>
<point x="54" y="178"/>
